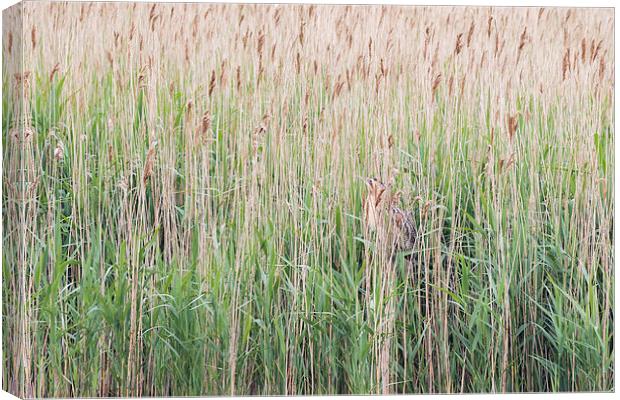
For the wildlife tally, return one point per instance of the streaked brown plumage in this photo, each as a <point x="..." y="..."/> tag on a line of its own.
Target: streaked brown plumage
<point x="391" y="224"/>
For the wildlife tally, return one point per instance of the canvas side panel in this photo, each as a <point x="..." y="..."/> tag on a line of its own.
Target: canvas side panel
<point x="17" y="376"/>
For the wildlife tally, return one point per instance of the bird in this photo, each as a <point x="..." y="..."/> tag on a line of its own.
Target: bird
<point x="391" y="224"/>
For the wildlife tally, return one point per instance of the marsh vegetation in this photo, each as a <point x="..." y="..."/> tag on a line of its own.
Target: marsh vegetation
<point x="184" y="184"/>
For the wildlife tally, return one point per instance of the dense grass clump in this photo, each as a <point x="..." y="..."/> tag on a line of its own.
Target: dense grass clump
<point x="183" y="192"/>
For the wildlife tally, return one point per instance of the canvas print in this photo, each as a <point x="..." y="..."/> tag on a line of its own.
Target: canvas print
<point x="271" y="199"/>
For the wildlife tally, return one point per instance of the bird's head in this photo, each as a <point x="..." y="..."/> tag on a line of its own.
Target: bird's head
<point x="376" y="190"/>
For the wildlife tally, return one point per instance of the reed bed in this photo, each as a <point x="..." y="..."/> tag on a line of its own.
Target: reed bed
<point x="183" y="192"/>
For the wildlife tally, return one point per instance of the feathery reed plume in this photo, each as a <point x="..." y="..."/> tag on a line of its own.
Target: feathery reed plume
<point x="459" y="43"/>
<point x="470" y="33"/>
<point x="383" y="68"/>
<point x="205" y="124"/>
<point x="9" y="42"/>
<point x="212" y="83"/>
<point x="238" y="75"/>
<point x="245" y="38"/>
<point x="512" y="126"/>
<point x="566" y="64"/>
<point x="260" y="44"/>
<point x="601" y="69"/>
<point x="337" y="89"/>
<point x="583" y="50"/>
<point x="596" y="50"/>
<point x="189" y="108"/>
<point x="522" y="39"/>
<point x="117" y="36"/>
<point x="277" y="15"/>
<point x="489" y="22"/>
<point x="148" y="165"/>
<point x="223" y="77"/>
<point x="427" y="39"/>
<point x="304" y="125"/>
<point x="302" y="26"/>
<point x="349" y="75"/>
<point x="33" y="37"/>
<point x="435" y="84"/>
<point x="54" y="71"/>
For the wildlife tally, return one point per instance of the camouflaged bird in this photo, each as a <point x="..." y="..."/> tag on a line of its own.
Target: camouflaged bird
<point x="391" y="224"/>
